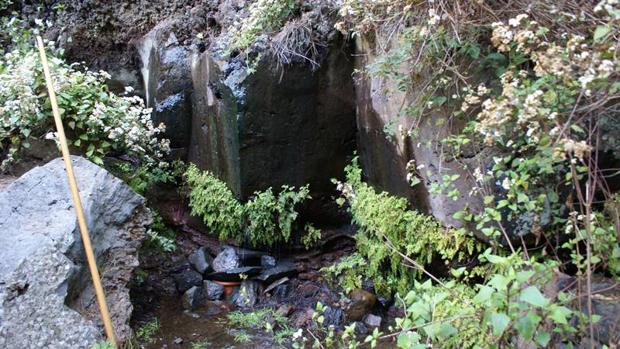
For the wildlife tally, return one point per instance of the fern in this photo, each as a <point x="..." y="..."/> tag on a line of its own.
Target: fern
<point x="265" y="220"/>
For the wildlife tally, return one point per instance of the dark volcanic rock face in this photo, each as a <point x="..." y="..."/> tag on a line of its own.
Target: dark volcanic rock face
<point x="272" y="128"/>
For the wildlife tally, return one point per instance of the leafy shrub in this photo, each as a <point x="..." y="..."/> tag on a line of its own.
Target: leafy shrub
<point x="211" y="199"/>
<point x="387" y="227"/>
<point x="97" y="122"/>
<point x="266" y="219"/>
<point x="160" y="236"/>
<point x="508" y="308"/>
<point x="265" y="16"/>
<point x="147" y="331"/>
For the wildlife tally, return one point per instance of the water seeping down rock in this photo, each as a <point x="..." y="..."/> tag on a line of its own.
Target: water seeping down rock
<point x="46" y="294"/>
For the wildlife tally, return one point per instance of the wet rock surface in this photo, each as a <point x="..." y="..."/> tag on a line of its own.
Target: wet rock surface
<point x="214" y="291"/>
<point x="194" y="297"/>
<point x="361" y="302"/>
<point x="282" y="269"/>
<point x="46" y="294"/>
<point x="226" y="260"/>
<point x="201" y="260"/>
<point x="247" y="295"/>
<point x="186" y="279"/>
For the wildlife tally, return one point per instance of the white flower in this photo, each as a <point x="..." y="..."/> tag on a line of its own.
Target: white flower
<point x="506" y="183"/>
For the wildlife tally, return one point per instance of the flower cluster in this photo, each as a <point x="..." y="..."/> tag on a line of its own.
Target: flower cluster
<point x="97" y="122"/>
<point x="531" y="106"/>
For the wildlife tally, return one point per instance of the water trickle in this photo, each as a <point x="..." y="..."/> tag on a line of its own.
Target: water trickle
<point x="147" y="48"/>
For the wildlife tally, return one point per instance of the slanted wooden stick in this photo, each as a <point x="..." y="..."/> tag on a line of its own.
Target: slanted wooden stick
<point x="90" y="256"/>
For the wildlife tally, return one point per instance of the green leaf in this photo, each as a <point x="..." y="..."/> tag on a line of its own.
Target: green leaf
<point x="543" y="338"/>
<point x="90" y="150"/>
<point x="500" y="322"/>
<point x="533" y="296"/>
<point x="601" y="32"/>
<point x="525" y="326"/>
<point x="484" y="294"/>
<point x="560" y="314"/>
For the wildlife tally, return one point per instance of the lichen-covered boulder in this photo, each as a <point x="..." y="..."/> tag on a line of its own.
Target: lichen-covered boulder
<point x="46" y="294"/>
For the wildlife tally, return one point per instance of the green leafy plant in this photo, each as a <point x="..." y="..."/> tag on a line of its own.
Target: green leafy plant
<point x="103" y="345"/>
<point x="320" y="336"/>
<point x="265" y="319"/>
<point x="266" y="219"/>
<point x="389" y="232"/>
<point x="313" y="235"/>
<point x="98" y="122"/>
<point x="509" y="308"/>
<point x="202" y="344"/>
<point x="160" y="237"/>
<point x="147" y="331"/>
<point x="265" y="16"/>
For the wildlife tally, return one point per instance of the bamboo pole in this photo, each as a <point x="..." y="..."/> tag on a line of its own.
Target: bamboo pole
<point x="90" y="257"/>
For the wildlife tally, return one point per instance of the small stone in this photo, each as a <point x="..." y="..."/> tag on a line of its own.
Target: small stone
<point x="201" y="260"/>
<point x="281" y="291"/>
<point x="285" y="309"/>
<point x="360" y="328"/>
<point x="214" y="290"/>
<point x="362" y="302"/>
<point x="283" y="269"/>
<point x="267" y="261"/>
<point x="178" y="340"/>
<point x="302" y="318"/>
<point x="226" y="260"/>
<point x="194" y="298"/>
<point x="247" y="295"/>
<point x="333" y="317"/>
<point x="186" y="279"/>
<point x="372" y="320"/>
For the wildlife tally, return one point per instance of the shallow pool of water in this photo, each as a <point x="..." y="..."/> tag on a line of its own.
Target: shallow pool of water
<point x="205" y="325"/>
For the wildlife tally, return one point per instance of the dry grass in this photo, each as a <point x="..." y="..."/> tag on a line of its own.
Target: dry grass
<point x="297" y="41"/>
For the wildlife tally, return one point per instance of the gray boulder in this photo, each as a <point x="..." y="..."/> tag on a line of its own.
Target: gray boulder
<point x="214" y="290"/>
<point x="201" y="260"/>
<point x="46" y="294"/>
<point x="186" y="279"/>
<point x="372" y="320"/>
<point x="194" y="298"/>
<point x="247" y="295"/>
<point x="226" y="260"/>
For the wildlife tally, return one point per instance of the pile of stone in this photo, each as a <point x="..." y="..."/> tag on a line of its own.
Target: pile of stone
<point x="203" y="278"/>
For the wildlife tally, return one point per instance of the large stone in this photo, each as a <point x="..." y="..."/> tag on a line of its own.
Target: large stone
<point x="214" y="290"/>
<point x="226" y="260"/>
<point x="361" y="303"/>
<point x="46" y="294"/>
<point x="247" y="295"/>
<point x="282" y="269"/>
<point x="194" y="298"/>
<point x="186" y="279"/>
<point x="201" y="260"/>
<point x="241" y="120"/>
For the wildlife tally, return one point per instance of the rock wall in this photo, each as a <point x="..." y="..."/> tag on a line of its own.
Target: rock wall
<point x="272" y="128"/>
<point x="384" y="158"/>
<point x="165" y="68"/>
<point x="46" y="294"/>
